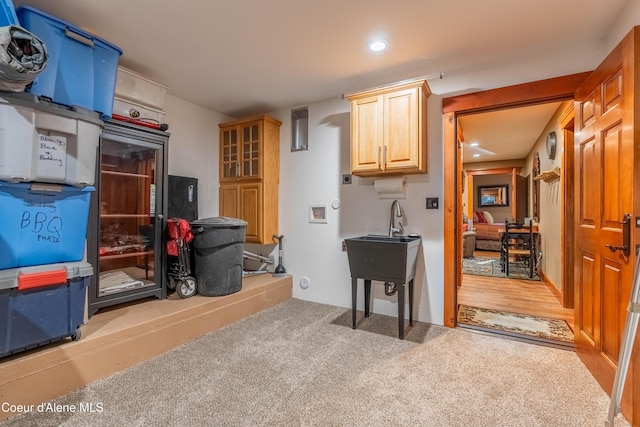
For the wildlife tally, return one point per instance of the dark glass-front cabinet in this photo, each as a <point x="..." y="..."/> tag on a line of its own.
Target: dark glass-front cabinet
<point x="128" y="214"/>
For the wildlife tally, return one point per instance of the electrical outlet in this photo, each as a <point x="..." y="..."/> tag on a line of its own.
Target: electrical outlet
<point x="432" y="203"/>
<point x="346" y="178"/>
<point x="344" y="246"/>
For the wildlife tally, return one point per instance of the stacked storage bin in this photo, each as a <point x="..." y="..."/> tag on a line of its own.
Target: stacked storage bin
<point x="42" y="304"/>
<point x="7" y="13"/>
<point x="47" y="171"/>
<point x="49" y="139"/>
<point x="81" y="69"/>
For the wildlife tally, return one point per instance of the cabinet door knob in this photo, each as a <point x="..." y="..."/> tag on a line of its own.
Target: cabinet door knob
<point x="379" y="149"/>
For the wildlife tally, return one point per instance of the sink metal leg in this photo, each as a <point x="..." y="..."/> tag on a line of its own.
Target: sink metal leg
<point x="411" y="302"/>
<point x="354" y="297"/>
<point x="400" y="288"/>
<point x="367" y="297"/>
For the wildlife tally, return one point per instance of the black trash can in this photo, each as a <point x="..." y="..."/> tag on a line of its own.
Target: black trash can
<point x="218" y="247"/>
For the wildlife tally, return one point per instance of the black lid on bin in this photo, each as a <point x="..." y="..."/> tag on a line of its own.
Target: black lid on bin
<point x="219" y="222"/>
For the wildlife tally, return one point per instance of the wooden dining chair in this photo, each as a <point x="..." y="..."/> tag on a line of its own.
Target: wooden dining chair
<point x="518" y="246"/>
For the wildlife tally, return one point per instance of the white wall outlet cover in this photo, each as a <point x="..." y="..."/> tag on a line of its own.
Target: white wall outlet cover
<point x="304" y="282"/>
<point x="335" y="204"/>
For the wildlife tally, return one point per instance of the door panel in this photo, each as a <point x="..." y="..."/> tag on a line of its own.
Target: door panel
<point x="365" y="154"/>
<point x="588" y="182"/>
<point x="589" y="316"/>
<point x="611" y="286"/>
<point x="229" y="200"/>
<point x="612" y="91"/>
<point x="401" y="128"/>
<point x="613" y="209"/>
<point x="250" y="210"/>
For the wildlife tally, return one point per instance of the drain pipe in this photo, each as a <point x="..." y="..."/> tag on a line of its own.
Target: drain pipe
<point x="390" y="289"/>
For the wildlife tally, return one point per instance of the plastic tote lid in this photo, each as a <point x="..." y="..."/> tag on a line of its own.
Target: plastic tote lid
<point x="9" y="277"/>
<point x="219" y="222"/>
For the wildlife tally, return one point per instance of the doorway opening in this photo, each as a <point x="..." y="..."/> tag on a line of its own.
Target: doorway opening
<point x="552" y="90"/>
<point x="517" y="292"/>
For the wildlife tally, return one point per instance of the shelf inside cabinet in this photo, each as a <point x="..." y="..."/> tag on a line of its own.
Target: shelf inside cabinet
<point x="128" y="174"/>
<point x="126" y="255"/>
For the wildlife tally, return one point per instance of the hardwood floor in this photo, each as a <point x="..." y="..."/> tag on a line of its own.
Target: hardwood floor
<point x="518" y="296"/>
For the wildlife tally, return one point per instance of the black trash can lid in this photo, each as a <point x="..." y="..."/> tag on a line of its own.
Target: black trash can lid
<point x="219" y="222"/>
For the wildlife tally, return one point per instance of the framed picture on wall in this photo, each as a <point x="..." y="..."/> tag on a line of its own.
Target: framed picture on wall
<point x="494" y="195"/>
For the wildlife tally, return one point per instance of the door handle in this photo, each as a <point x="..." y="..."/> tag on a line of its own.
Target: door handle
<point x="379" y="151"/>
<point x="384" y="157"/>
<point x="626" y="237"/>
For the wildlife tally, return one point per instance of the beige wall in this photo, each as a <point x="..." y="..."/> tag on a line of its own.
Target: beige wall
<point x="551" y="200"/>
<point x="193" y="149"/>
<point x="499" y="214"/>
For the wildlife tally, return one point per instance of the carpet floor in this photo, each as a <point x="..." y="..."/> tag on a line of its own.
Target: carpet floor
<point x="301" y="364"/>
<point x="486" y="266"/>
<point x="542" y="329"/>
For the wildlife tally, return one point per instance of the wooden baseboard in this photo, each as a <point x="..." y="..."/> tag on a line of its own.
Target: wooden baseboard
<point x="120" y="337"/>
<point x="551" y="286"/>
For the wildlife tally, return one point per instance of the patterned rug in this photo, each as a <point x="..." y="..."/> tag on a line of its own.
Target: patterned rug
<point x="485" y="266"/>
<point x="542" y="329"/>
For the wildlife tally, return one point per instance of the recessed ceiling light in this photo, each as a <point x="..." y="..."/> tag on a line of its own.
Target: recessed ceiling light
<point x="476" y="155"/>
<point x="473" y="144"/>
<point x="378" y="45"/>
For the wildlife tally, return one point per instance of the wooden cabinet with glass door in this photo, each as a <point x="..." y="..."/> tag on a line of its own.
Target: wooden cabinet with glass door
<point x="250" y="173"/>
<point x="389" y="129"/>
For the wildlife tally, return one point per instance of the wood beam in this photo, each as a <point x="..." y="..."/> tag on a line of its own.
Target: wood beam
<point x="555" y="89"/>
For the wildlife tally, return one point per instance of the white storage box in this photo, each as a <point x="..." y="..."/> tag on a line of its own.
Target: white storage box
<point x="45" y="142"/>
<point x="133" y="87"/>
<point x="136" y="111"/>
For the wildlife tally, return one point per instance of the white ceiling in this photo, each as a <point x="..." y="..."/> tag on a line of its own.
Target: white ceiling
<point x="244" y="57"/>
<point x="241" y="57"/>
<point x="504" y="134"/>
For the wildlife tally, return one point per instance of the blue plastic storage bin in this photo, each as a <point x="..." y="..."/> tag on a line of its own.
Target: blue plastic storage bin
<point x="7" y="13"/>
<point x="42" y="223"/>
<point x="43" y="304"/>
<point x="81" y="69"/>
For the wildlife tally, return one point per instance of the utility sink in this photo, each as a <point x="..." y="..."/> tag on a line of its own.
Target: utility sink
<point x="384" y="258"/>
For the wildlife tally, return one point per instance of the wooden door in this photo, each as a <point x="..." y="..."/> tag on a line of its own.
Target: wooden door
<point x="401" y="148"/>
<point x="251" y="210"/>
<point x="229" y="200"/>
<point x="366" y="134"/>
<point x="604" y="180"/>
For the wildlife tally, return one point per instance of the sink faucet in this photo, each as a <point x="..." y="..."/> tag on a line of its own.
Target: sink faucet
<point x="395" y="209"/>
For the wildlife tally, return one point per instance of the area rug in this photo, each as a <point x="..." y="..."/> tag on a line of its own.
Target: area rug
<point x="486" y="266"/>
<point x="542" y="329"/>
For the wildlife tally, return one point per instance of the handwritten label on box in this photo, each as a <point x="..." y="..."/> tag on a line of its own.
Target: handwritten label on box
<point x="52" y="157"/>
